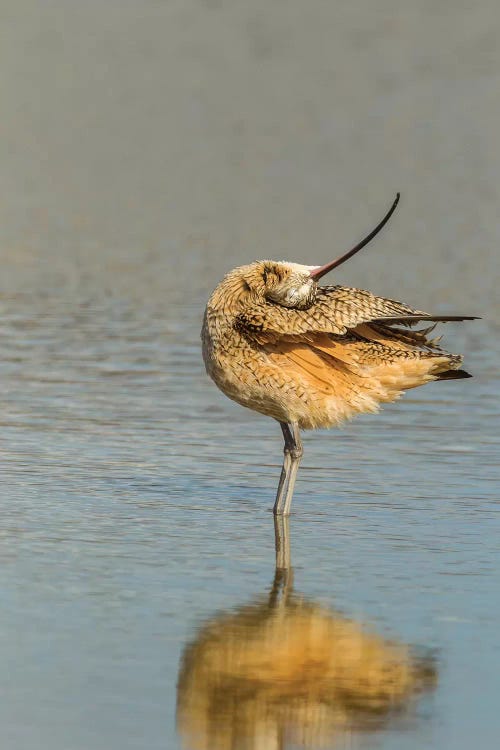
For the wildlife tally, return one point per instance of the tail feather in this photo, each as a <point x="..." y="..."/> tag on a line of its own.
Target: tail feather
<point x="405" y="352"/>
<point x="453" y="375"/>
<point x="411" y="319"/>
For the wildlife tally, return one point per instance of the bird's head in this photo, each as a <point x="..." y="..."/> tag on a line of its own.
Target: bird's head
<point x="279" y="282"/>
<point x="286" y="284"/>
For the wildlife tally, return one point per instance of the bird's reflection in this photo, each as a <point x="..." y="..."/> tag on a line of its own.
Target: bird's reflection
<point x="287" y="672"/>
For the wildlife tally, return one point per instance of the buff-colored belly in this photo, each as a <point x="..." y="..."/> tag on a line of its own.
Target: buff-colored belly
<point x="304" y="386"/>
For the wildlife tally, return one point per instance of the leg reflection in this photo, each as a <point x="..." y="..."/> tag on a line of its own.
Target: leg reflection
<point x="284" y="671"/>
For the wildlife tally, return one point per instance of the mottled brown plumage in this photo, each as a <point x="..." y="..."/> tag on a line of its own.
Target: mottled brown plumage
<point x="311" y="356"/>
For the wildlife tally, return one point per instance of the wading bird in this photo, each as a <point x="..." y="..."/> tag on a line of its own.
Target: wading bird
<point x="312" y="356"/>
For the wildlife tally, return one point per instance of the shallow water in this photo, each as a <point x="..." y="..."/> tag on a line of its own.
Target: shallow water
<point x="135" y="499"/>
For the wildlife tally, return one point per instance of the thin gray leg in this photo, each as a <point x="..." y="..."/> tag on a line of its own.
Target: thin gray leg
<point x="285" y="471"/>
<point x="296" y="454"/>
<point x="293" y="453"/>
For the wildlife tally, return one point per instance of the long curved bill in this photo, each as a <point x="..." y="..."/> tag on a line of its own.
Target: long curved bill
<point x="322" y="270"/>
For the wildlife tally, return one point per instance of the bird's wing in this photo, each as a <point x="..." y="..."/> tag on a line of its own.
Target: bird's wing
<point x="354" y="306"/>
<point x="320" y="363"/>
<point x="336" y="310"/>
<point x="347" y="307"/>
<point x="331" y="343"/>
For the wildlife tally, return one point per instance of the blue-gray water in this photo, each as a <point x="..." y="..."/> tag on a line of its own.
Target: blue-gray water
<point x="148" y="147"/>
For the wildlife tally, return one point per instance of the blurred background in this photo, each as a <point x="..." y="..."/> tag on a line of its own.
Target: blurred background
<point x="146" y="147"/>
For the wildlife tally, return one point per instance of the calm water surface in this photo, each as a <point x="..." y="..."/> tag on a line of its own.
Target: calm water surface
<point x="136" y="509"/>
<point x="146" y="149"/>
